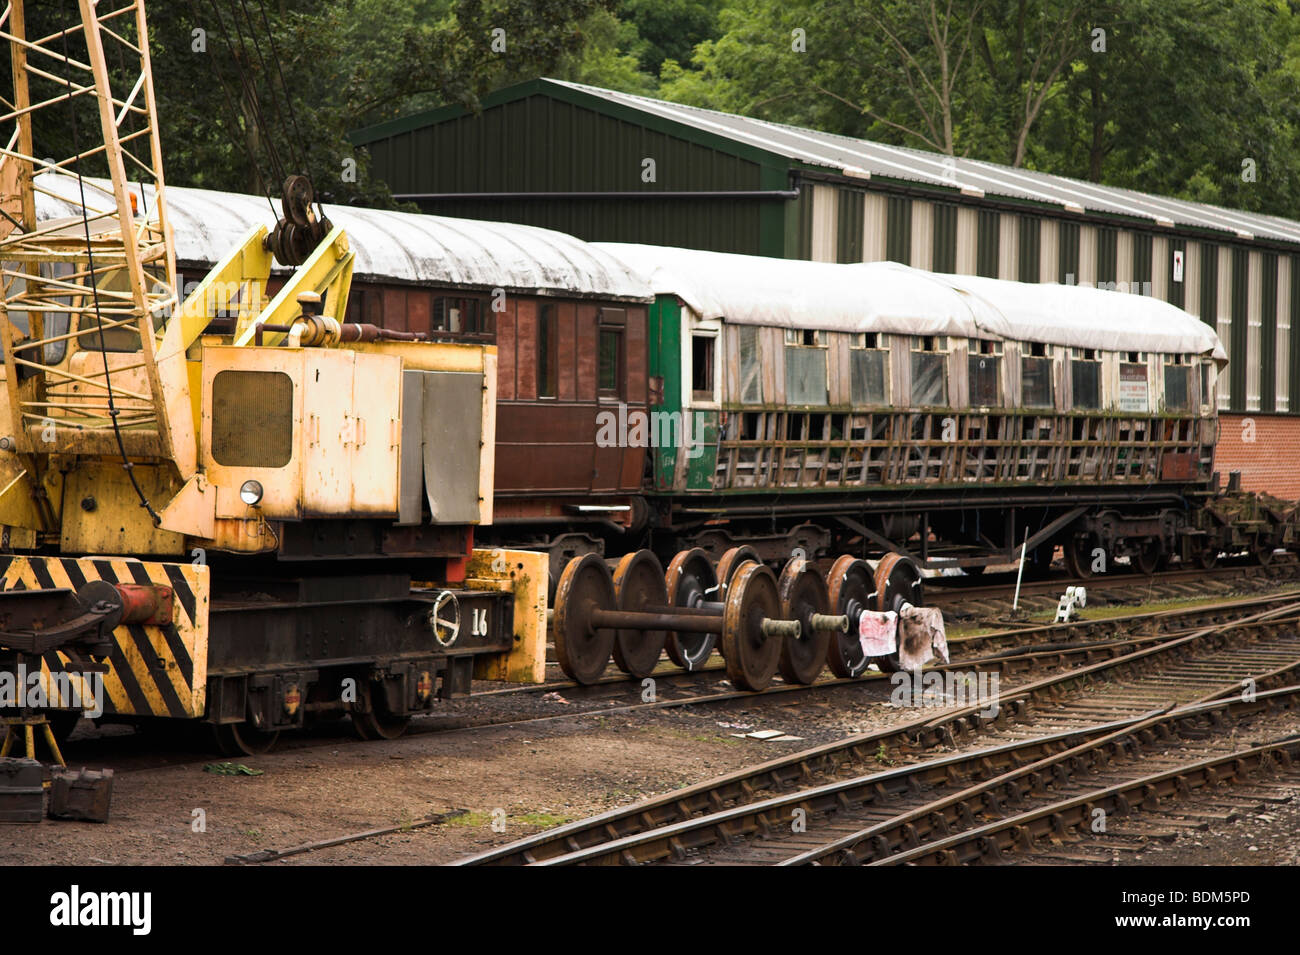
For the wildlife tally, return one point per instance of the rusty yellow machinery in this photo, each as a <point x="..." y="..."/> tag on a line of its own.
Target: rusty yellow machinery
<point x="237" y="508"/>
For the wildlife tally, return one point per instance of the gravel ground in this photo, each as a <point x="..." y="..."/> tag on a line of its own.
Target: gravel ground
<point x="522" y="777"/>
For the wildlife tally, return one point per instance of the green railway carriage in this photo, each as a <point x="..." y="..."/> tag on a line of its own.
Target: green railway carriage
<point x="879" y="407"/>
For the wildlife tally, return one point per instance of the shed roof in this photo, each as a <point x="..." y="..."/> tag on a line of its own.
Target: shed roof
<point x="893" y="298"/>
<point x="389" y="246"/>
<point x="860" y="158"/>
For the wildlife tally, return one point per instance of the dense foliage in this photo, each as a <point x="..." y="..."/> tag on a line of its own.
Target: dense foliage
<point x="1194" y="98"/>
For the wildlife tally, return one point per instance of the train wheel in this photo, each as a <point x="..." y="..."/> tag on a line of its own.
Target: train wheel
<point x="690" y="579"/>
<point x="582" y="650"/>
<point x="1147" y="559"/>
<point x="639" y="583"/>
<point x="374" y="725"/>
<point x="897" y="582"/>
<point x="242" y="739"/>
<point x="1262" y="550"/>
<point x="1078" y="557"/>
<point x="1207" y="559"/>
<point x="803" y="593"/>
<point x="729" y="564"/>
<point x="852" y="591"/>
<point x="752" y="657"/>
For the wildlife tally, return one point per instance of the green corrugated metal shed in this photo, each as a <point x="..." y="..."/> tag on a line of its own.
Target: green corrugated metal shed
<point x="609" y="166"/>
<point x="545" y="154"/>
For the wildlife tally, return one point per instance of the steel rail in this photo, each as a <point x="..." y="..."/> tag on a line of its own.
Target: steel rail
<point x="743" y="785"/>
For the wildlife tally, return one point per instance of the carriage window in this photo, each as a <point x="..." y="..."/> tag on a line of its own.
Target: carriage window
<point x="459" y="315"/>
<point x="929" y="371"/>
<point x="1085" y="378"/>
<point x="1133" y="395"/>
<point x="751" y="366"/>
<point x="1036" y="390"/>
<point x="1207" y="377"/>
<point x="548" y="349"/>
<point x="805" y="367"/>
<point x="609" y="373"/>
<point x="1178" y="384"/>
<point x="702" y="367"/>
<point x="868" y="370"/>
<point x="984" y="365"/>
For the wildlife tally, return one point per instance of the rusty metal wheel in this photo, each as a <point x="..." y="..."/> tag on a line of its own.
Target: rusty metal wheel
<point x="728" y="565"/>
<point x="582" y="650"/>
<point x="851" y="590"/>
<point x="639" y="583"/>
<point x="1078" y="557"/>
<point x="373" y="725"/>
<point x="897" y="582"/>
<point x="1147" y="560"/>
<point x="803" y="593"/>
<point x="691" y="580"/>
<point x="752" y="656"/>
<point x="242" y="739"/>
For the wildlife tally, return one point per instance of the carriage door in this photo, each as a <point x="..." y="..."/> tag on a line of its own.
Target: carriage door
<point x="611" y="398"/>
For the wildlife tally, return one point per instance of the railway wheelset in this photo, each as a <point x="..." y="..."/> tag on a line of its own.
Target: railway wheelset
<point x="762" y="623"/>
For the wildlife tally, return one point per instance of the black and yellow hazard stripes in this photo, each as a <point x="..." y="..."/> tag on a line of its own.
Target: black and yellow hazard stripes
<point x="153" y="670"/>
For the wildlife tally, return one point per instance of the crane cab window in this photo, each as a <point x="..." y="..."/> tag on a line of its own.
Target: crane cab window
<point x="868" y="370"/>
<point x="929" y="371"/>
<point x="1085" y="378"/>
<point x="117" y="338"/>
<point x="56" y="323"/>
<point x="1036" y="386"/>
<point x="805" y="367"/>
<point x="1178" y="383"/>
<point x="984" y="366"/>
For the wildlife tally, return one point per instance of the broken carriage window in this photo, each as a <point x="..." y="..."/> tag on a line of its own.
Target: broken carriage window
<point x="1036" y="388"/>
<point x="929" y="371"/>
<point x="868" y="371"/>
<point x="751" y="366"/>
<point x="984" y="367"/>
<point x="1178" y="385"/>
<point x="805" y="367"/>
<point x="1085" y="379"/>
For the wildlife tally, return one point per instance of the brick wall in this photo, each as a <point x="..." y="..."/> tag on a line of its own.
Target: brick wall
<point x="1271" y="462"/>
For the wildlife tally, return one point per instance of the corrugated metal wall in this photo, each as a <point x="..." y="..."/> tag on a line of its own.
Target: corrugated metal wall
<point x="539" y="144"/>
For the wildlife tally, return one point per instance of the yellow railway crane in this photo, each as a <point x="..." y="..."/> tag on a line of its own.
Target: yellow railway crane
<point x="238" y="508"/>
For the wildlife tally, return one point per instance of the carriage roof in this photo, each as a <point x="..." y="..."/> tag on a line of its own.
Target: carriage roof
<point x="893" y="298"/>
<point x="400" y="247"/>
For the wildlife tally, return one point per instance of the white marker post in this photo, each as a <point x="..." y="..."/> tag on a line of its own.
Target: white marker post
<point x="1020" y="572"/>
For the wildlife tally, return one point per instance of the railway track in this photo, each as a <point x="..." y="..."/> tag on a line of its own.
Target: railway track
<point x="1083" y="706"/>
<point x="964" y="601"/>
<point x="1014" y="651"/>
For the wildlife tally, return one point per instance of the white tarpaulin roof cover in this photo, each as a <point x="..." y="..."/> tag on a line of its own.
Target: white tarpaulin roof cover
<point x="389" y="246"/>
<point x="893" y="298"/>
